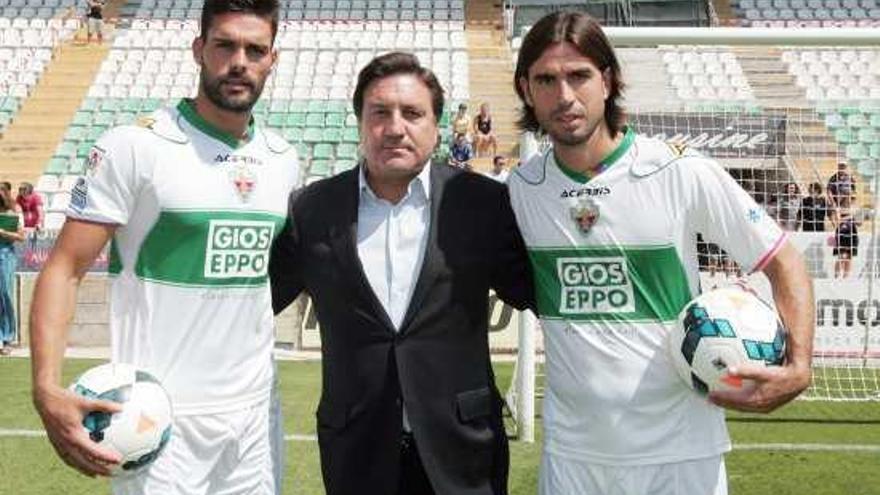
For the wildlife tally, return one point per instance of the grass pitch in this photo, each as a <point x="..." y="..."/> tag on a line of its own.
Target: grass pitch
<point x="28" y="465"/>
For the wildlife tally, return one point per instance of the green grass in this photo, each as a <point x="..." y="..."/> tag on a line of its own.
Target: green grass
<point x="28" y="466"/>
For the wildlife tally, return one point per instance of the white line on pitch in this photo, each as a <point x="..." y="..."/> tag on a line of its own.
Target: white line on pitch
<point x="810" y="447"/>
<point x="815" y="447"/>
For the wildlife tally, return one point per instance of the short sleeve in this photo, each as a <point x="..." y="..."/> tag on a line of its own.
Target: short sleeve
<point x="107" y="192"/>
<point x="728" y="216"/>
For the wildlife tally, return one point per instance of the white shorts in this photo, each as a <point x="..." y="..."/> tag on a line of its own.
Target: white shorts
<point x="239" y="452"/>
<point x="564" y="476"/>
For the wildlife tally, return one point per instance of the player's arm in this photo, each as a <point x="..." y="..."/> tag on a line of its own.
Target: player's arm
<point x="285" y="261"/>
<point x="775" y="386"/>
<point x="511" y="275"/>
<point x="52" y="310"/>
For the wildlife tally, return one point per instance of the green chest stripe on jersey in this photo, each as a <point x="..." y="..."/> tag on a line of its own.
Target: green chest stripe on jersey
<point x="209" y="248"/>
<point x="609" y="283"/>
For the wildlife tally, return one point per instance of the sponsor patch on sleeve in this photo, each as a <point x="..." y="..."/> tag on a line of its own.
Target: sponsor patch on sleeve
<point x="79" y="195"/>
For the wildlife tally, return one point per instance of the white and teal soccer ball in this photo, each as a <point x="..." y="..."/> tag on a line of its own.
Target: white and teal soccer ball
<point x="722" y="328"/>
<point x="141" y="430"/>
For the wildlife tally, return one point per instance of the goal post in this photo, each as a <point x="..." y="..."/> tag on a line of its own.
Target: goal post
<point x="767" y="142"/>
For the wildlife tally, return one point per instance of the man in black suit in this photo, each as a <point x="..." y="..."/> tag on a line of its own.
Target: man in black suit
<point x="398" y="257"/>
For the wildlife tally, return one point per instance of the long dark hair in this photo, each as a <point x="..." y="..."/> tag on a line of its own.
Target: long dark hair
<point x="585" y="33"/>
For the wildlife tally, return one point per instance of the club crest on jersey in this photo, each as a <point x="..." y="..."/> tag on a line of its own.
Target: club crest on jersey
<point x="585" y="214"/>
<point x="244" y="180"/>
<point x="94" y="160"/>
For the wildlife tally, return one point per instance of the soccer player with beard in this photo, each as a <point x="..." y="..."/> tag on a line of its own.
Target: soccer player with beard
<point x="610" y="219"/>
<point x="191" y="198"/>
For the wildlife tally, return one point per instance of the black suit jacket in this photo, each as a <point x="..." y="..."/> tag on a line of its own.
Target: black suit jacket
<point x="437" y="363"/>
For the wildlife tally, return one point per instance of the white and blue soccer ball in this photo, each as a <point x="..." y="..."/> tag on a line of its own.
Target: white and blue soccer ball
<point x="723" y="328"/>
<point x="142" y="429"/>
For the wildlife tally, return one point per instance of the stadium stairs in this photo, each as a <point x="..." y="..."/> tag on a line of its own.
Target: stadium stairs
<point x="33" y="136"/>
<point x="776" y="91"/>
<point x="491" y="75"/>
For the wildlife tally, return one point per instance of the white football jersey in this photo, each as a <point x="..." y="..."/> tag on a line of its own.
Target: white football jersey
<point x="197" y="211"/>
<point x="614" y="260"/>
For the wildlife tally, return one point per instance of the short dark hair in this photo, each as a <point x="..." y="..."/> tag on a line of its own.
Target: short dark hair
<point x="816" y="187"/>
<point x="585" y="34"/>
<point x="391" y="64"/>
<point x="267" y="9"/>
<point x="497" y="159"/>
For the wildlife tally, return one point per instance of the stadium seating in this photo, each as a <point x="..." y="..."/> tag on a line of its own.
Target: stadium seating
<point x="808" y="13"/>
<point x="306" y="99"/>
<point x="707" y="76"/>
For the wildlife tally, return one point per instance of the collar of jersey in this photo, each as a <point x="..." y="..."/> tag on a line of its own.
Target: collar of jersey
<point x="187" y="109"/>
<point x="628" y="137"/>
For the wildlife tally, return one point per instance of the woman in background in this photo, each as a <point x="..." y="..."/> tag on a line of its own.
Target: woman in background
<point x="11" y="231"/>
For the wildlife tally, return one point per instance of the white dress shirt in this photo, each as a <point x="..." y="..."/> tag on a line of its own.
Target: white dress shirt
<point x="391" y="241"/>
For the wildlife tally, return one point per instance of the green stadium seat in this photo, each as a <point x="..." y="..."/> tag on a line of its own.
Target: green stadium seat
<point x="151" y="104"/>
<point x="293" y="134"/>
<point x="302" y="150"/>
<point x="331" y="135"/>
<point x="298" y="106"/>
<point x="90" y="104"/>
<point x="276" y="120"/>
<point x="317" y="106"/>
<point x="82" y="118"/>
<point x="343" y="165"/>
<point x="278" y="106"/>
<point x="296" y="119"/>
<point x="66" y="149"/>
<point x="132" y="105"/>
<point x="347" y="151"/>
<point x="5" y="118"/>
<point x="9" y="104"/>
<point x="874" y="151"/>
<point x="350" y="135"/>
<point x="351" y="120"/>
<point x="336" y="106"/>
<point x="315" y="120"/>
<point x="77" y="166"/>
<point x="320" y="168"/>
<point x="125" y="118"/>
<point x="56" y="166"/>
<point x="104" y="118"/>
<point x="109" y="105"/>
<point x="868" y="135"/>
<point x="95" y="132"/>
<point x="82" y="150"/>
<point x="845" y="136"/>
<point x="334" y="120"/>
<point x="312" y="135"/>
<point x="262" y="106"/>
<point x="857" y="120"/>
<point x="874" y="120"/>
<point x="322" y="151"/>
<point x="856" y="151"/>
<point x="445" y="119"/>
<point x="76" y="133"/>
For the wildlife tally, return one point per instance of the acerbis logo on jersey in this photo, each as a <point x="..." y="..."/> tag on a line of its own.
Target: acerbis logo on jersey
<point x="594" y="285"/>
<point x="238" y="248"/>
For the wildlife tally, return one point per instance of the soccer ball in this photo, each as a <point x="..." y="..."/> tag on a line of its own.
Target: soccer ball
<point x="141" y="430"/>
<point x="722" y="328"/>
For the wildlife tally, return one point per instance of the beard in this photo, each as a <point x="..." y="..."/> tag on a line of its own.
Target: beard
<point x="242" y="103"/>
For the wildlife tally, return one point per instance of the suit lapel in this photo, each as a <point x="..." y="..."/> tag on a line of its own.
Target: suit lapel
<point x="344" y="235"/>
<point x="433" y="258"/>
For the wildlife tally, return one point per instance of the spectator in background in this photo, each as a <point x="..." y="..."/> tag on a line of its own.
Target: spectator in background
<point x="846" y="236"/>
<point x="484" y="136"/>
<point x="499" y="170"/>
<point x="11" y="231"/>
<point x="841" y="184"/>
<point x="813" y="210"/>
<point x="461" y="122"/>
<point x="461" y="153"/>
<point x="95" y="20"/>
<point x="787" y="207"/>
<point x="31" y="206"/>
